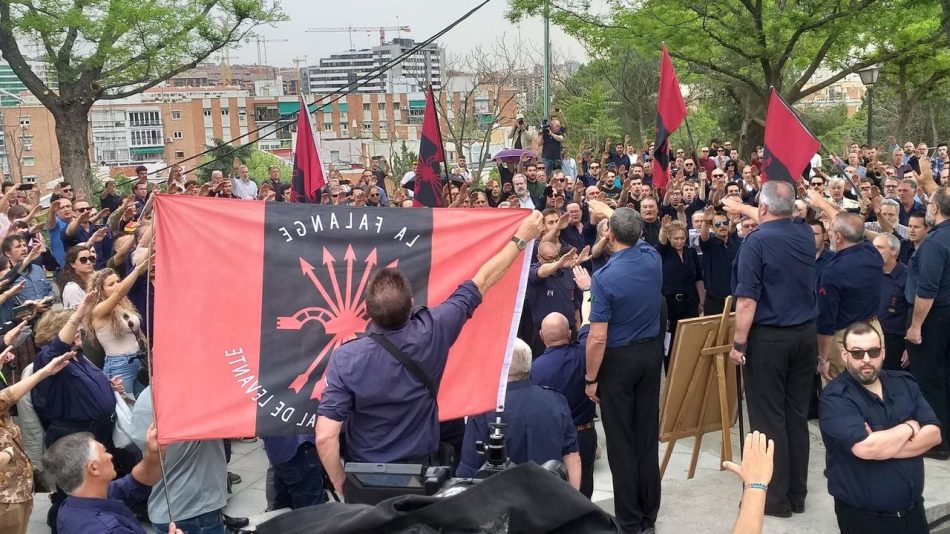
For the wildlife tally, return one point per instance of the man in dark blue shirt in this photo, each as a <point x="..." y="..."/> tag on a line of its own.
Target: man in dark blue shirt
<point x="298" y="475"/>
<point x="551" y="289"/>
<point x="893" y="311"/>
<point x="83" y="468"/>
<point x="823" y="256"/>
<point x="876" y="425"/>
<point x="928" y="287"/>
<point x="539" y="424"/>
<point x="391" y="416"/>
<point x="775" y="338"/>
<point x="843" y="296"/>
<point x="624" y="362"/>
<point x="561" y="368"/>
<point x="719" y="247"/>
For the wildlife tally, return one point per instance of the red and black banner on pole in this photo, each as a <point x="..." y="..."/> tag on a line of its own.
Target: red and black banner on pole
<point x="427" y="184"/>
<point x="670" y="113"/>
<point x="246" y="313"/>
<point x="308" y="178"/>
<point x="789" y="145"/>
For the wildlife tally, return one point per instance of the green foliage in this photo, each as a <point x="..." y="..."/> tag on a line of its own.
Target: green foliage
<point x="223" y="159"/>
<point x="590" y="118"/>
<point x="259" y="162"/>
<point x="402" y="161"/>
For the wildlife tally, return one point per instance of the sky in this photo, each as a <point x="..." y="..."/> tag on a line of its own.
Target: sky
<point x="424" y="17"/>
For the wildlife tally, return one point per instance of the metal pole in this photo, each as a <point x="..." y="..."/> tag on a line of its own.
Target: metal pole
<point x="547" y="61"/>
<point x="870" y="110"/>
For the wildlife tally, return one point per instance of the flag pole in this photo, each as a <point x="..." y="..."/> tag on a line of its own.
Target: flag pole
<point x="438" y="128"/>
<point x="689" y="133"/>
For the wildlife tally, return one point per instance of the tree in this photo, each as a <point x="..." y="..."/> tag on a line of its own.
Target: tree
<point x="402" y="162"/>
<point x="483" y="81"/>
<point x="225" y="155"/>
<point x="111" y="49"/>
<point x="260" y="161"/>
<point x="745" y="46"/>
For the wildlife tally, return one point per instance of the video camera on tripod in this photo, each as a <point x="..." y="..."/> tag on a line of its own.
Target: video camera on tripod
<point x="368" y="483"/>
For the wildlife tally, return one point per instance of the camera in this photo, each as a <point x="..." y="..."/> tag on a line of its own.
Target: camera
<point x="545" y="126"/>
<point x="368" y="483"/>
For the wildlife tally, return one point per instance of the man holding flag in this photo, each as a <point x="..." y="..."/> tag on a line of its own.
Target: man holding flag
<point x="391" y="414"/>
<point x="670" y="113"/>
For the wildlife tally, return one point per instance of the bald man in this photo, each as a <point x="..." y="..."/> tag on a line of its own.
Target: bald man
<point x="561" y="367"/>
<point x="551" y="288"/>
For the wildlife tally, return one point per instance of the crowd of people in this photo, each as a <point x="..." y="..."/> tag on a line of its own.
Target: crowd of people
<point x="841" y="283"/>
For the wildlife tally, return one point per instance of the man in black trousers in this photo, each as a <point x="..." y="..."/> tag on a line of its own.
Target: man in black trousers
<point x="776" y="340"/>
<point x="624" y="362"/>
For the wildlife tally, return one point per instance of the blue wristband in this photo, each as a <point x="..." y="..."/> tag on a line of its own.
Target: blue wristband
<point x="756" y="485"/>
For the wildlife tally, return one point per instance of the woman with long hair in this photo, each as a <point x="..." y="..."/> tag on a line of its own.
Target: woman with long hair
<point x="76" y="274"/>
<point x="682" y="277"/>
<point x="117" y="324"/>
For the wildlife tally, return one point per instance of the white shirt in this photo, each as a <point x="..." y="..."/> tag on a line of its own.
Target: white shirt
<point x="526" y="202"/>
<point x="246" y="190"/>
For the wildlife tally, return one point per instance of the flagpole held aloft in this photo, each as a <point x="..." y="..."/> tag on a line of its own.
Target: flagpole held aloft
<point x="445" y="160"/>
<point x="670" y="113"/>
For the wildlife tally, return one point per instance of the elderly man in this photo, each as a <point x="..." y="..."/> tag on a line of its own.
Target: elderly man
<point x="893" y="310"/>
<point x="242" y="184"/>
<point x="843" y="296"/>
<point x="551" y="289"/>
<point x="928" y="336"/>
<point x="97" y="504"/>
<point x="391" y="414"/>
<point x="887" y="221"/>
<point x="650" y="220"/>
<point x="624" y="362"/>
<point x="836" y="186"/>
<point x="561" y="368"/>
<point x="525" y="198"/>
<point x="539" y="424"/>
<point x="876" y="425"/>
<point x="775" y="338"/>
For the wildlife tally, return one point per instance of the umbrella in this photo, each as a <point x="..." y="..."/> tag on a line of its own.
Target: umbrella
<point x="513" y="153"/>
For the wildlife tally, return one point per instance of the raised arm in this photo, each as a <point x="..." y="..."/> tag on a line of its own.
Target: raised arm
<point x="122" y="289"/>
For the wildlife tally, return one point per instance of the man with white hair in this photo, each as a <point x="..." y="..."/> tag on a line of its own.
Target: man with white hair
<point x="525" y="199"/>
<point x="836" y="187"/>
<point x="887" y="221"/>
<point x="893" y="310"/>
<point x="539" y="424"/>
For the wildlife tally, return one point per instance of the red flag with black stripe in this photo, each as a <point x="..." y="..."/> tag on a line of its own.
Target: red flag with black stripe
<point x="670" y="113"/>
<point x="249" y="307"/>
<point x="789" y="146"/>
<point x="308" y="177"/>
<point x="427" y="183"/>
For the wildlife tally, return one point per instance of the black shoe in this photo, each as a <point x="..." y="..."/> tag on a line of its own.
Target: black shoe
<point x="778" y="512"/>
<point x="234" y="478"/>
<point x="798" y="508"/>
<point x="235" y="522"/>
<point x="937" y="453"/>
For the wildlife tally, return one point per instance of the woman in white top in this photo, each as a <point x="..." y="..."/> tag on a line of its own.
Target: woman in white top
<point x="76" y="274"/>
<point x="117" y="324"/>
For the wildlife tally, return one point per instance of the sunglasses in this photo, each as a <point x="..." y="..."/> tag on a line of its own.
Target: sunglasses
<point x="858" y="354"/>
<point x="376" y="195"/>
<point x="83" y="210"/>
<point x="69" y="190"/>
<point x="719" y="175"/>
<point x="86" y="259"/>
<point x="334" y="195"/>
<point x="817" y="184"/>
<point x="595" y="166"/>
<point x="720" y="224"/>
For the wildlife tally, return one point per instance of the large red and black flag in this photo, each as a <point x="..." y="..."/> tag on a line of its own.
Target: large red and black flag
<point x="251" y="305"/>
<point x="789" y="146"/>
<point x="308" y="177"/>
<point x="427" y="183"/>
<point x="670" y="113"/>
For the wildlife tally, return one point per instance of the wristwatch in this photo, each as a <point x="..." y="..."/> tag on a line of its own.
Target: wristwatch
<point x="590" y="382"/>
<point x="739" y="347"/>
<point x="520" y="243"/>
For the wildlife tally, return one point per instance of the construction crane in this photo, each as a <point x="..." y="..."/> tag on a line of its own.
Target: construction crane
<point x="350" y="29"/>
<point x="262" y="44"/>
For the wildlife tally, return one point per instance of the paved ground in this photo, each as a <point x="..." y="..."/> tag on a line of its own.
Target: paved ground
<point x="707" y="503"/>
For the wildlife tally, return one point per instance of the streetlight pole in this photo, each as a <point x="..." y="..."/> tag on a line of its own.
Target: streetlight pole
<point x="547" y="62"/>
<point x="869" y="78"/>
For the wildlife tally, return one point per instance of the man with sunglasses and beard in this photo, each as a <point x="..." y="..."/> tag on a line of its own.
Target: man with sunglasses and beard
<point x="83" y="229"/>
<point x="876" y="425"/>
<point x="719" y="245"/>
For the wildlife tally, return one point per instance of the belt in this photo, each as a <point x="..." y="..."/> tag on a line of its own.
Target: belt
<point x="585" y="426"/>
<point x="900" y="513"/>
<point x="679" y="297"/>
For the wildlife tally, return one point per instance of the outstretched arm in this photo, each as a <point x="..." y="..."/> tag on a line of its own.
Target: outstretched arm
<point x="490" y="273"/>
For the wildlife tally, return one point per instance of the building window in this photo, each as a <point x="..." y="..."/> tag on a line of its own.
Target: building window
<point x="381" y="106"/>
<point x="207" y="112"/>
<point x="395" y="106"/>
<point x="26" y="141"/>
<point x="415" y="115"/>
<point x="177" y="134"/>
<point x="24" y="122"/>
<point x="328" y="127"/>
<point x="179" y="154"/>
<point x="367" y="126"/>
<point x="366" y="106"/>
<point x="29" y="179"/>
<point x="225" y="112"/>
<point x="29" y="161"/>
<point x="176" y="115"/>
<point x="144" y="118"/>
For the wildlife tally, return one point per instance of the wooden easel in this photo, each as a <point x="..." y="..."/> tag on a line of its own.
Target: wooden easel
<point x="713" y="358"/>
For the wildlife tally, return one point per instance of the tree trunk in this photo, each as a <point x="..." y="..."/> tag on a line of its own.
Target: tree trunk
<point x="72" y="136"/>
